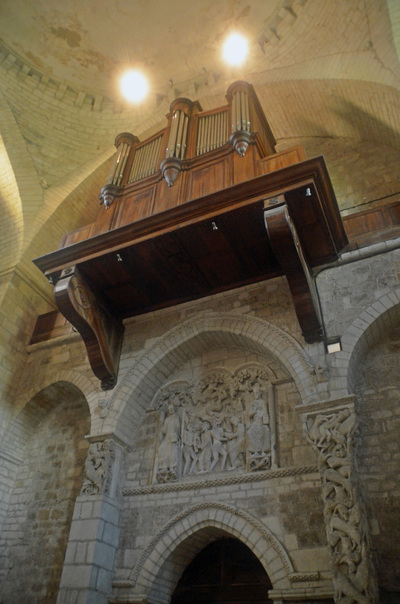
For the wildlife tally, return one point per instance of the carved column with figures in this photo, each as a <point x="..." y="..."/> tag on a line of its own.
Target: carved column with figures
<point x="331" y="433"/>
<point x="94" y="534"/>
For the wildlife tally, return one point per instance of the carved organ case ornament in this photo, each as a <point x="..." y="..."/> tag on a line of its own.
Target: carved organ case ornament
<point x="125" y="144"/>
<point x="191" y="200"/>
<point x="222" y="423"/>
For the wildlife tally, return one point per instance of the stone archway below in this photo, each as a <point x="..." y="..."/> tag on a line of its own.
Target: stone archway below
<point x="225" y="571"/>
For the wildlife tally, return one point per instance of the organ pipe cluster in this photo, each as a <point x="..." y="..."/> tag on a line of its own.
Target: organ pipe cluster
<point x="240" y="112"/>
<point x="212" y="132"/>
<point x="190" y="130"/>
<point x="178" y="135"/>
<point x="124" y="143"/>
<point x="145" y="161"/>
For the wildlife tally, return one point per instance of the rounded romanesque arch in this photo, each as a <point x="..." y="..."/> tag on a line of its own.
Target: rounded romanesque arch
<point x="184" y="536"/>
<point x="43" y="458"/>
<point x="87" y="385"/>
<point x="38" y="401"/>
<point x="193" y="337"/>
<point x="365" y="330"/>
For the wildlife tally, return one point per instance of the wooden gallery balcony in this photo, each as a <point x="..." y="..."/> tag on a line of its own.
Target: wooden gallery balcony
<point x="205" y="205"/>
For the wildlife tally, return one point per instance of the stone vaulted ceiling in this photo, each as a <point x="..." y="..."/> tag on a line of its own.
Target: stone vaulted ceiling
<point x="327" y="74"/>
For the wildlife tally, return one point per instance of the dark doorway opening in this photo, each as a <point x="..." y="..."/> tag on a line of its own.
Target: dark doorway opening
<point x="224" y="572"/>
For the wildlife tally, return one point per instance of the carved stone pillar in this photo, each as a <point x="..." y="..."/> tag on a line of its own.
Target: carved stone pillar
<point x="94" y="535"/>
<point x="331" y="434"/>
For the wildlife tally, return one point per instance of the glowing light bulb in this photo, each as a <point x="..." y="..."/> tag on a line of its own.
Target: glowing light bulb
<point x="133" y="86"/>
<point x="235" y="49"/>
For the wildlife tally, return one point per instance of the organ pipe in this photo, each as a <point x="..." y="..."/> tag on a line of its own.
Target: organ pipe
<point x="211" y="132"/>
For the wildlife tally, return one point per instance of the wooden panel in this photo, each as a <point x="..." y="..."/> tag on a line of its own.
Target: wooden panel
<point x="134" y="207"/>
<point x="373" y="220"/>
<point x="105" y="218"/>
<point x="244" y="168"/>
<point x="313" y="231"/>
<point x="167" y="197"/>
<point x="50" y="325"/>
<point x="80" y="234"/>
<point x="207" y="179"/>
<point x="282" y="159"/>
<point x="366" y="223"/>
<point x="393" y="212"/>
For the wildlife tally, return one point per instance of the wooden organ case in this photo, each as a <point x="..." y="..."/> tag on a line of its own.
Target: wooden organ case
<point x="203" y="206"/>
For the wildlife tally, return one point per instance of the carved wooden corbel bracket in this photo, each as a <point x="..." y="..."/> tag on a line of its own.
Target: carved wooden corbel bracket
<point x="101" y="333"/>
<point x="240" y="141"/>
<point x="287" y="248"/>
<point x="108" y="194"/>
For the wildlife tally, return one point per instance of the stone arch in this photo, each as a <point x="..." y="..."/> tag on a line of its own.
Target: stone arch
<point x="191" y="338"/>
<point x="43" y="457"/>
<point x="364" y="332"/>
<point x="33" y="410"/>
<point x="87" y="385"/>
<point x="185" y="535"/>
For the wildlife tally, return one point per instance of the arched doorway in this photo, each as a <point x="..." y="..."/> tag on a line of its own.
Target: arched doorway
<point x="224" y="572"/>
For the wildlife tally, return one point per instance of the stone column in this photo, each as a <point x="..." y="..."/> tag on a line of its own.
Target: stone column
<point x="94" y="535"/>
<point x="332" y="433"/>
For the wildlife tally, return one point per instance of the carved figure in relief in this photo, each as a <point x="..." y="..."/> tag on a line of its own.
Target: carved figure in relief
<point x="236" y="438"/>
<point x="206" y="441"/>
<point x="354" y="577"/>
<point x="95" y="469"/>
<point x="259" y="435"/>
<point x="337" y="426"/>
<point x="169" y="447"/>
<point x="191" y="445"/>
<point x="218" y="449"/>
<point x="220" y="423"/>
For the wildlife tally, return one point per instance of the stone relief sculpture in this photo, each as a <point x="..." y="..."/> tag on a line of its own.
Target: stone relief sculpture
<point x="169" y="447"/>
<point x="346" y="527"/>
<point x="222" y="423"/>
<point x="259" y="435"/>
<point x="97" y="468"/>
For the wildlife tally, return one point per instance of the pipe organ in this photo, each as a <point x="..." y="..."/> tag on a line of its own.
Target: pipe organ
<point x="203" y="206"/>
<point x="212" y="132"/>
<point x="145" y="159"/>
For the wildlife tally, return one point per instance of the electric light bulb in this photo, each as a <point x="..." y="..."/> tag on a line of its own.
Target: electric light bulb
<point x="235" y="49"/>
<point x="133" y="86"/>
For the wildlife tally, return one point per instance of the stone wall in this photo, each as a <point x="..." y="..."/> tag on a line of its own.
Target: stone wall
<point x="35" y="532"/>
<point x="205" y="359"/>
<point x="379" y="452"/>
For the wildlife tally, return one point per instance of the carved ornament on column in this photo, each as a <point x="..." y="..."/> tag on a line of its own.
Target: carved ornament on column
<point x="331" y="435"/>
<point x="98" y="468"/>
<point x="105" y="466"/>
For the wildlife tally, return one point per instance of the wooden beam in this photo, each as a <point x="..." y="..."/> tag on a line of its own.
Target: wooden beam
<point x="288" y="250"/>
<point x="102" y="334"/>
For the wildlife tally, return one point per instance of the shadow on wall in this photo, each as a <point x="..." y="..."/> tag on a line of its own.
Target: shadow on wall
<point x="378" y="394"/>
<point x="36" y="526"/>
